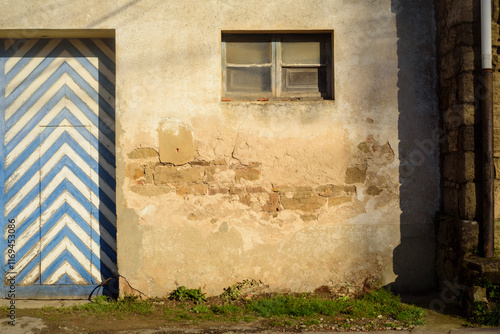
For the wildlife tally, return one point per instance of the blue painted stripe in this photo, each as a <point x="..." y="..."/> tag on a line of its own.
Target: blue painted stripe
<point x="65" y="280"/>
<point x="61" y="291"/>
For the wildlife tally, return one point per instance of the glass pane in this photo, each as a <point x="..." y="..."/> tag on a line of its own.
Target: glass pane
<point x="303" y="79"/>
<point x="301" y="52"/>
<point x="249" y="79"/>
<point x="248" y="53"/>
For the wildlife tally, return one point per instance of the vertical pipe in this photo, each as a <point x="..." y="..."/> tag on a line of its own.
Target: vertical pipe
<point x="487" y="131"/>
<point x="488" y="178"/>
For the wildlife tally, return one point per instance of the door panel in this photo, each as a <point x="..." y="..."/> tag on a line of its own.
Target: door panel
<point x="57" y="105"/>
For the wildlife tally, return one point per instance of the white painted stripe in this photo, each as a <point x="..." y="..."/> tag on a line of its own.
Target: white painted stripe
<point x="28" y="68"/>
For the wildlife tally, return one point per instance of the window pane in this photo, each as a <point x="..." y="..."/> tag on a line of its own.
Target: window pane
<point x="249" y="79"/>
<point x="301" y="52"/>
<point x="303" y="80"/>
<point x="248" y="53"/>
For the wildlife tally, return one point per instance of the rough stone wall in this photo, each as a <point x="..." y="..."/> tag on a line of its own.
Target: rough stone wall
<point x="495" y="30"/>
<point x="457" y="28"/>
<point x="459" y="63"/>
<point x="297" y="194"/>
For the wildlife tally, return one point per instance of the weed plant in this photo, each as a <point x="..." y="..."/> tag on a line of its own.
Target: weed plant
<point x="371" y="305"/>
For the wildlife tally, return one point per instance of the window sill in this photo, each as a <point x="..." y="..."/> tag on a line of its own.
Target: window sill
<point x="274" y="101"/>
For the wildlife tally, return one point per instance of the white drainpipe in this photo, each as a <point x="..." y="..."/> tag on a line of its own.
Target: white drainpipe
<point x="486" y="33"/>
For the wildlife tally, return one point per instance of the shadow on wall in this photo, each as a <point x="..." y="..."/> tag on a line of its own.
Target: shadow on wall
<point x="418" y="128"/>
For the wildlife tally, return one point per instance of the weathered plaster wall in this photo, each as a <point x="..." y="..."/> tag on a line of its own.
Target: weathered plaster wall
<point x="296" y="194"/>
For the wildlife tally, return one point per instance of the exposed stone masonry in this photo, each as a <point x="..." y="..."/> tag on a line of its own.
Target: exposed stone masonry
<point x="242" y="183"/>
<point x="458" y="67"/>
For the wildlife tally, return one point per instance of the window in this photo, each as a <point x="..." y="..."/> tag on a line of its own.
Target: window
<point x="277" y="65"/>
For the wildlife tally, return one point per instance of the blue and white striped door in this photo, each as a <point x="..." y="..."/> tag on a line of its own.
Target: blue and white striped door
<point x="57" y="104"/>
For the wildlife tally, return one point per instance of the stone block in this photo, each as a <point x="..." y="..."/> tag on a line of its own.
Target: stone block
<point x="245" y="199"/>
<point x="496" y="116"/>
<point x="459" y="167"/>
<point x="144" y="153"/>
<point x="291" y="189"/>
<point x="176" y="175"/>
<point x="496" y="187"/>
<point x="176" y="142"/>
<point x="331" y="190"/>
<point x="255" y="190"/>
<point x="467" y="200"/>
<point x="467" y="57"/>
<point x="215" y="191"/>
<point x="236" y="190"/>
<point x="250" y="174"/>
<point x="461" y="236"/>
<point x="355" y="175"/>
<point x="458" y="114"/>
<point x="496" y="164"/>
<point x="194" y="189"/>
<point x="272" y="203"/>
<point x="310" y="203"/>
<point x="450" y="201"/>
<point x="339" y="200"/>
<point x="466" y="138"/>
<point x="134" y="171"/>
<point x="460" y="12"/>
<point x="149" y="175"/>
<point x="465" y="34"/>
<point x="466" y="87"/>
<point x="451" y="142"/>
<point x="450" y="170"/>
<point x="373" y="191"/>
<point x="477" y="294"/>
<point x="151" y="190"/>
